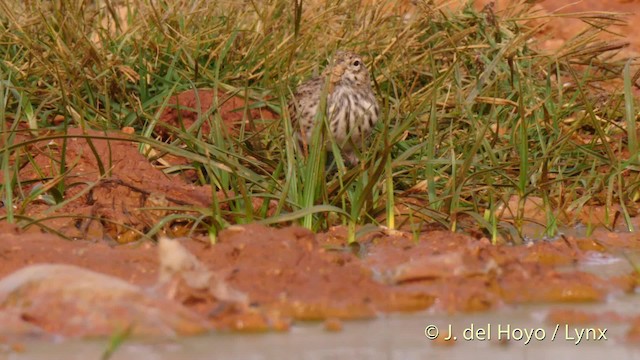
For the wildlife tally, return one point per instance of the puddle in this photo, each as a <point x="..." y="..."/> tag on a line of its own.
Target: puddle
<point x="509" y="332"/>
<point x="398" y="336"/>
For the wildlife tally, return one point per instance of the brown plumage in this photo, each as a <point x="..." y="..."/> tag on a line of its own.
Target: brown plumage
<point x="352" y="109"/>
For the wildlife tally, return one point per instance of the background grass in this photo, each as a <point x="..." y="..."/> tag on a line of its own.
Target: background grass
<point x="473" y="116"/>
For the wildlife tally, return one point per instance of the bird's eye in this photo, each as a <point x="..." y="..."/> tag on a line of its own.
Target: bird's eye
<point x="356" y="63"/>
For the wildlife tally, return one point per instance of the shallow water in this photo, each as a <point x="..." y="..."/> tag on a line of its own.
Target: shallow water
<point x="393" y="337"/>
<point x="396" y="336"/>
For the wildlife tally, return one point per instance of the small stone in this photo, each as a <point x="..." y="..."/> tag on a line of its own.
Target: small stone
<point x="333" y="325"/>
<point x="128" y="130"/>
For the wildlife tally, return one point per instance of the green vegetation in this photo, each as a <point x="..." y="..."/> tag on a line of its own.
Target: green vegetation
<point x="473" y="116"/>
<point x="117" y="339"/>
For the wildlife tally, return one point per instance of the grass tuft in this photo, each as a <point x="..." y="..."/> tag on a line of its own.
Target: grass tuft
<point x="473" y="115"/>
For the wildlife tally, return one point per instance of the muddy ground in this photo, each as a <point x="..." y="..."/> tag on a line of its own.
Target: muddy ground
<point x="256" y="278"/>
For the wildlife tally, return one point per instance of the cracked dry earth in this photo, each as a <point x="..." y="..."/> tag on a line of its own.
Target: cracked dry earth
<point x="255" y="278"/>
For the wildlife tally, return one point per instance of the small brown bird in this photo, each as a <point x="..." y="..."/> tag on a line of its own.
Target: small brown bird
<point x="352" y="109"/>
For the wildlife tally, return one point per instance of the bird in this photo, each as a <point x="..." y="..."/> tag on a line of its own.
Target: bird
<point x="351" y="106"/>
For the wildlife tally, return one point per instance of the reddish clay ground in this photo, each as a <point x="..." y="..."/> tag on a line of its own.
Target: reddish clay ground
<point x="566" y="28"/>
<point x="288" y="273"/>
